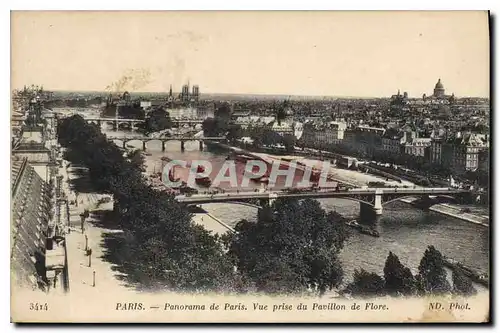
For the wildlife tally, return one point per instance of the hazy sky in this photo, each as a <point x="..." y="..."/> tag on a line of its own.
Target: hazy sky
<point x="300" y="53"/>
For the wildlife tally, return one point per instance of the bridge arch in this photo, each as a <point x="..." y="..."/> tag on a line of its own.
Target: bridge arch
<point x="190" y="139"/>
<point x="248" y="204"/>
<point x="117" y="141"/>
<point x="242" y="203"/>
<point x="449" y="197"/>
<point x="93" y="122"/>
<point x="157" y="140"/>
<point x="124" y="125"/>
<point x="349" y="198"/>
<point x="124" y="141"/>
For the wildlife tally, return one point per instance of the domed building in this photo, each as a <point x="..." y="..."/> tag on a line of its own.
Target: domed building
<point x="439" y="90"/>
<point x="439" y="96"/>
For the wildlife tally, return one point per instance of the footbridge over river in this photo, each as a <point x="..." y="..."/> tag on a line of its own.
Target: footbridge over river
<point x="372" y="200"/>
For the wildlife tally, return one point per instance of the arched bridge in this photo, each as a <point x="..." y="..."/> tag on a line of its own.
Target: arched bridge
<point x="133" y="122"/>
<point x="375" y="198"/>
<point x="114" y="121"/>
<point x="163" y="140"/>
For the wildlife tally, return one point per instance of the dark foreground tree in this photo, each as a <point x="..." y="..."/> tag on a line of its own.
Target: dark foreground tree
<point x="137" y="159"/>
<point x="432" y="274"/>
<point x="293" y="247"/>
<point x="398" y="278"/>
<point x="462" y="285"/>
<point x="366" y="284"/>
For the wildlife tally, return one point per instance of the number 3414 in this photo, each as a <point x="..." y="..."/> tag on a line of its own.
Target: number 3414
<point x="39" y="306"/>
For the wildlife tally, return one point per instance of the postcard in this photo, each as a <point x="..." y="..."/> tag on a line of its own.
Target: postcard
<point x="250" y="167"/>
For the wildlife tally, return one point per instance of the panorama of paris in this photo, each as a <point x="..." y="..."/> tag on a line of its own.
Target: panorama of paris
<point x="356" y="135"/>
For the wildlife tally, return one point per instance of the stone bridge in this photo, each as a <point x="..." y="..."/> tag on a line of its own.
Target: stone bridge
<point x="134" y="122"/>
<point x="145" y="139"/>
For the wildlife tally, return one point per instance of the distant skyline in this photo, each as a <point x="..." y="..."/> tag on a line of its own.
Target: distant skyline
<point x="355" y="54"/>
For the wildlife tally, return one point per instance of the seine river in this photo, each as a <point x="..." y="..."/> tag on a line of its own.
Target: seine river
<point x="404" y="230"/>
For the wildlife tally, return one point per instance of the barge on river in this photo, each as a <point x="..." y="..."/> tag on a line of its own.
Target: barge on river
<point x="475" y="276"/>
<point x="362" y="228"/>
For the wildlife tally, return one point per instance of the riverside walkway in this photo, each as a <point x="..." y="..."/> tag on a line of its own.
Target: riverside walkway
<point x="99" y="276"/>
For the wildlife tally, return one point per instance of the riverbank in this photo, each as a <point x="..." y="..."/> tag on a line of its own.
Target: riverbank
<point x="362" y="179"/>
<point x="453" y="211"/>
<point x="211" y="223"/>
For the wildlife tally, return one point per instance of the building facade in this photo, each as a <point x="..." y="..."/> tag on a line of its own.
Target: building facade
<point x="393" y="141"/>
<point x="418" y="147"/>
<point x="462" y="152"/>
<point x="319" y="135"/>
<point x="31" y="207"/>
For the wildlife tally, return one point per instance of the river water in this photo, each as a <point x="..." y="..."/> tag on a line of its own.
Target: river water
<point x="404" y="230"/>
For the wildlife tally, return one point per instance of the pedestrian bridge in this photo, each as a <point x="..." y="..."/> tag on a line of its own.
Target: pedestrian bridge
<point x="374" y="198"/>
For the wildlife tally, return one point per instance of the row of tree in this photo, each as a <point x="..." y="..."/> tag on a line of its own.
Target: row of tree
<point x="163" y="247"/>
<point x="399" y="281"/>
<point x="292" y="248"/>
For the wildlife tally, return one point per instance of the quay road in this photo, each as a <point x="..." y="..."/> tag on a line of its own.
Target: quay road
<point x="357" y="194"/>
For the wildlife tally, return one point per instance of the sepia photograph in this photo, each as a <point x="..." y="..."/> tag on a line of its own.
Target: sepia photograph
<point x="250" y="167"/>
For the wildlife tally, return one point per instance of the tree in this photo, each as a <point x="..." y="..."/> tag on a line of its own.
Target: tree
<point x="220" y="124"/>
<point x="270" y="137"/>
<point x="366" y="284"/>
<point x="289" y="142"/>
<point x="279" y="254"/>
<point x="398" y="278"/>
<point x="136" y="159"/>
<point x="209" y="126"/>
<point x="215" y="126"/>
<point x="234" y="132"/>
<point x="279" y="112"/>
<point x="157" y="120"/>
<point x="165" y="249"/>
<point x="432" y="273"/>
<point x="223" y="112"/>
<point x="462" y="285"/>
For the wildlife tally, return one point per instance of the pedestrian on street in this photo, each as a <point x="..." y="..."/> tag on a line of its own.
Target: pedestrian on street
<point x="82" y="220"/>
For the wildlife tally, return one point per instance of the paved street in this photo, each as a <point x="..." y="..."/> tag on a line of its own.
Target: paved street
<point x="81" y="276"/>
